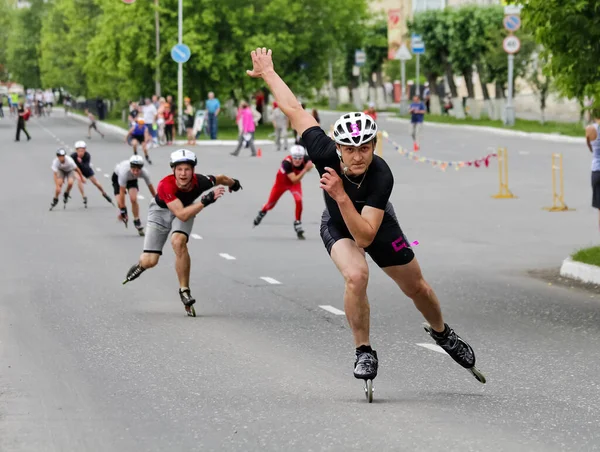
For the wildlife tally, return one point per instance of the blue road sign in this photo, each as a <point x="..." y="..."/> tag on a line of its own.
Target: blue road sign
<point x="180" y="53"/>
<point x="360" y="57"/>
<point x="512" y="23"/>
<point x="417" y="45"/>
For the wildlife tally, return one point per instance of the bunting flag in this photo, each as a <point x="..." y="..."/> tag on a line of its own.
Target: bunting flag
<point x="441" y="164"/>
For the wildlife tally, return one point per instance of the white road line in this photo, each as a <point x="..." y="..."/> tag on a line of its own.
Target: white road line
<point x="227" y="256"/>
<point x="433" y="347"/>
<point x="270" y="280"/>
<point x="98" y="169"/>
<point x="196" y="236"/>
<point x="333" y="310"/>
<point x="141" y="197"/>
<point x="106" y="175"/>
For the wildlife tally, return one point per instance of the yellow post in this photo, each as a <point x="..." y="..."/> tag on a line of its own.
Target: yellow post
<point x="503" y="192"/>
<point x="558" y="199"/>
<point x="379" y="147"/>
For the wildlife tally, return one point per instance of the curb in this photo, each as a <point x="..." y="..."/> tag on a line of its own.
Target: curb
<point x="497" y="131"/>
<point x="580" y="271"/>
<point x="121" y="131"/>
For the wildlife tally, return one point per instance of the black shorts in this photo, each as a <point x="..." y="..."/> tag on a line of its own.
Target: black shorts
<point x="87" y="172"/>
<point x="596" y="189"/>
<point x="384" y="249"/>
<point x="139" y="138"/>
<point x="117" y="187"/>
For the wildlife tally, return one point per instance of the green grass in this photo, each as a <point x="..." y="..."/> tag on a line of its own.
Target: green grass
<point x="589" y="256"/>
<point x="523" y="125"/>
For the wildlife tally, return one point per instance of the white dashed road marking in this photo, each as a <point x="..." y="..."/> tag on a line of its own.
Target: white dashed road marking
<point x="270" y="280"/>
<point x="141" y="197"/>
<point x="333" y="310"/>
<point x="227" y="256"/>
<point x="106" y="175"/>
<point x="98" y="169"/>
<point x="196" y="236"/>
<point x="435" y="348"/>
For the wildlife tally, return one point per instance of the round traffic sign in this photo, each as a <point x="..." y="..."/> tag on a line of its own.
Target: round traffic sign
<point x="511" y="44"/>
<point x="512" y="23"/>
<point x="180" y="53"/>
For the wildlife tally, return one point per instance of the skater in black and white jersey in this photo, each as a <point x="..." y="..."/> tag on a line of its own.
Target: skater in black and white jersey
<point x="359" y="219"/>
<point x="63" y="168"/>
<point x="125" y="180"/>
<point x="83" y="160"/>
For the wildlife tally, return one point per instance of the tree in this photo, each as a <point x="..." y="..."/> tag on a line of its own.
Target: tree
<point x="570" y="35"/>
<point x="540" y="83"/>
<point x="6" y="17"/>
<point x="66" y="31"/>
<point x="22" y="47"/>
<point x="434" y="26"/>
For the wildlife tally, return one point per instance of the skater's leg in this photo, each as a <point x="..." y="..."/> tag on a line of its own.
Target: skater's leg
<point x="70" y="182"/>
<point x="94" y="181"/>
<point x="182" y="258"/>
<point x="276" y="192"/>
<point x="135" y="207"/>
<point x="350" y="261"/>
<point x="134" y="143"/>
<point x="149" y="260"/>
<point x="296" y="191"/>
<point x="80" y="185"/>
<point x="410" y="280"/>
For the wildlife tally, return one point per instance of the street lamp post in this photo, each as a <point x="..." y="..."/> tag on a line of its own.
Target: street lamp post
<point x="180" y="72"/>
<point x="157" y="30"/>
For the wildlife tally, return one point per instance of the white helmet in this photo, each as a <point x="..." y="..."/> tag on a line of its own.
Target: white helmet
<point x="80" y="144"/>
<point x="136" y="161"/>
<point x="354" y="129"/>
<point x="61" y="151"/>
<point x="297" y="151"/>
<point x="183" y="156"/>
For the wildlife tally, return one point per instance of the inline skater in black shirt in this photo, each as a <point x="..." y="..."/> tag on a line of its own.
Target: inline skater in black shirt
<point x="359" y="218"/>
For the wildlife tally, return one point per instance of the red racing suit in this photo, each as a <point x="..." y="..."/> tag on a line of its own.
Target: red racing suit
<point x="283" y="183"/>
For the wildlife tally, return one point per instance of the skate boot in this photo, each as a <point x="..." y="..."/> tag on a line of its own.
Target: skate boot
<point x="85" y="201"/>
<point x="108" y="199"/>
<point x="134" y="272"/>
<point x="138" y="225"/>
<point x="299" y="230"/>
<point x="365" y="368"/>
<point x="65" y="199"/>
<point x="148" y="160"/>
<point x="259" y="217"/>
<point x="366" y="364"/>
<point x="458" y="349"/>
<point x="188" y="301"/>
<point x="54" y="203"/>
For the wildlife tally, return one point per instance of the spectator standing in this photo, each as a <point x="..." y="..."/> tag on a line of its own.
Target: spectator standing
<point x="213" y="108"/>
<point x="417" y="112"/>
<point x="280" y="124"/>
<point x="246" y="118"/>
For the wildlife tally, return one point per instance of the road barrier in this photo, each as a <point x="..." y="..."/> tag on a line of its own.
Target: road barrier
<point x="503" y="191"/>
<point x="558" y="198"/>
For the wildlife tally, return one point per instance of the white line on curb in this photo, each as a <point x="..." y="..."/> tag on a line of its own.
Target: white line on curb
<point x="227" y="256"/>
<point x="333" y="310"/>
<point x="270" y="280"/>
<point x="435" y="348"/>
<point x="580" y="271"/>
<point x="196" y="236"/>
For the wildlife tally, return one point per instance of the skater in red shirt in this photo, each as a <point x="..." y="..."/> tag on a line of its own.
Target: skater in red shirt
<point x="292" y="170"/>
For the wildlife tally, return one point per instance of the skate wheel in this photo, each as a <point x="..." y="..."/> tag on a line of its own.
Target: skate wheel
<point x="190" y="311"/>
<point x="478" y="375"/>
<point x="369" y="390"/>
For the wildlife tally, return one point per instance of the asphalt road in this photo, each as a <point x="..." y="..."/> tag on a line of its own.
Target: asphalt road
<point x="87" y="364"/>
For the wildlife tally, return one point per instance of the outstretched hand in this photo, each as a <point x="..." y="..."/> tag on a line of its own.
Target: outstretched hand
<point x="262" y="62"/>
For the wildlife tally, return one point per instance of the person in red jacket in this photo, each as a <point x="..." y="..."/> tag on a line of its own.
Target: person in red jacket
<point x="292" y="170"/>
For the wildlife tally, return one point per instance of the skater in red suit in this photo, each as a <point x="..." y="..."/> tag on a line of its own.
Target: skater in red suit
<point x="289" y="177"/>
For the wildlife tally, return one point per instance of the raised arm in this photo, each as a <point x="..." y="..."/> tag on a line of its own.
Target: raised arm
<point x="590" y="131"/>
<point x="262" y="67"/>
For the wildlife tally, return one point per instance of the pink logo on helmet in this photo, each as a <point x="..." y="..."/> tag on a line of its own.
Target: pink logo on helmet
<point x="355" y="131"/>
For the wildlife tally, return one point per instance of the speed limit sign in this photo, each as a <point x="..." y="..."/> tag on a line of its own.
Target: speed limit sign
<point x="511" y="44"/>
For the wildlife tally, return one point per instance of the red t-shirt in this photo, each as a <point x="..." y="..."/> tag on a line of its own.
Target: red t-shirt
<point x="288" y="167"/>
<point x="167" y="190"/>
